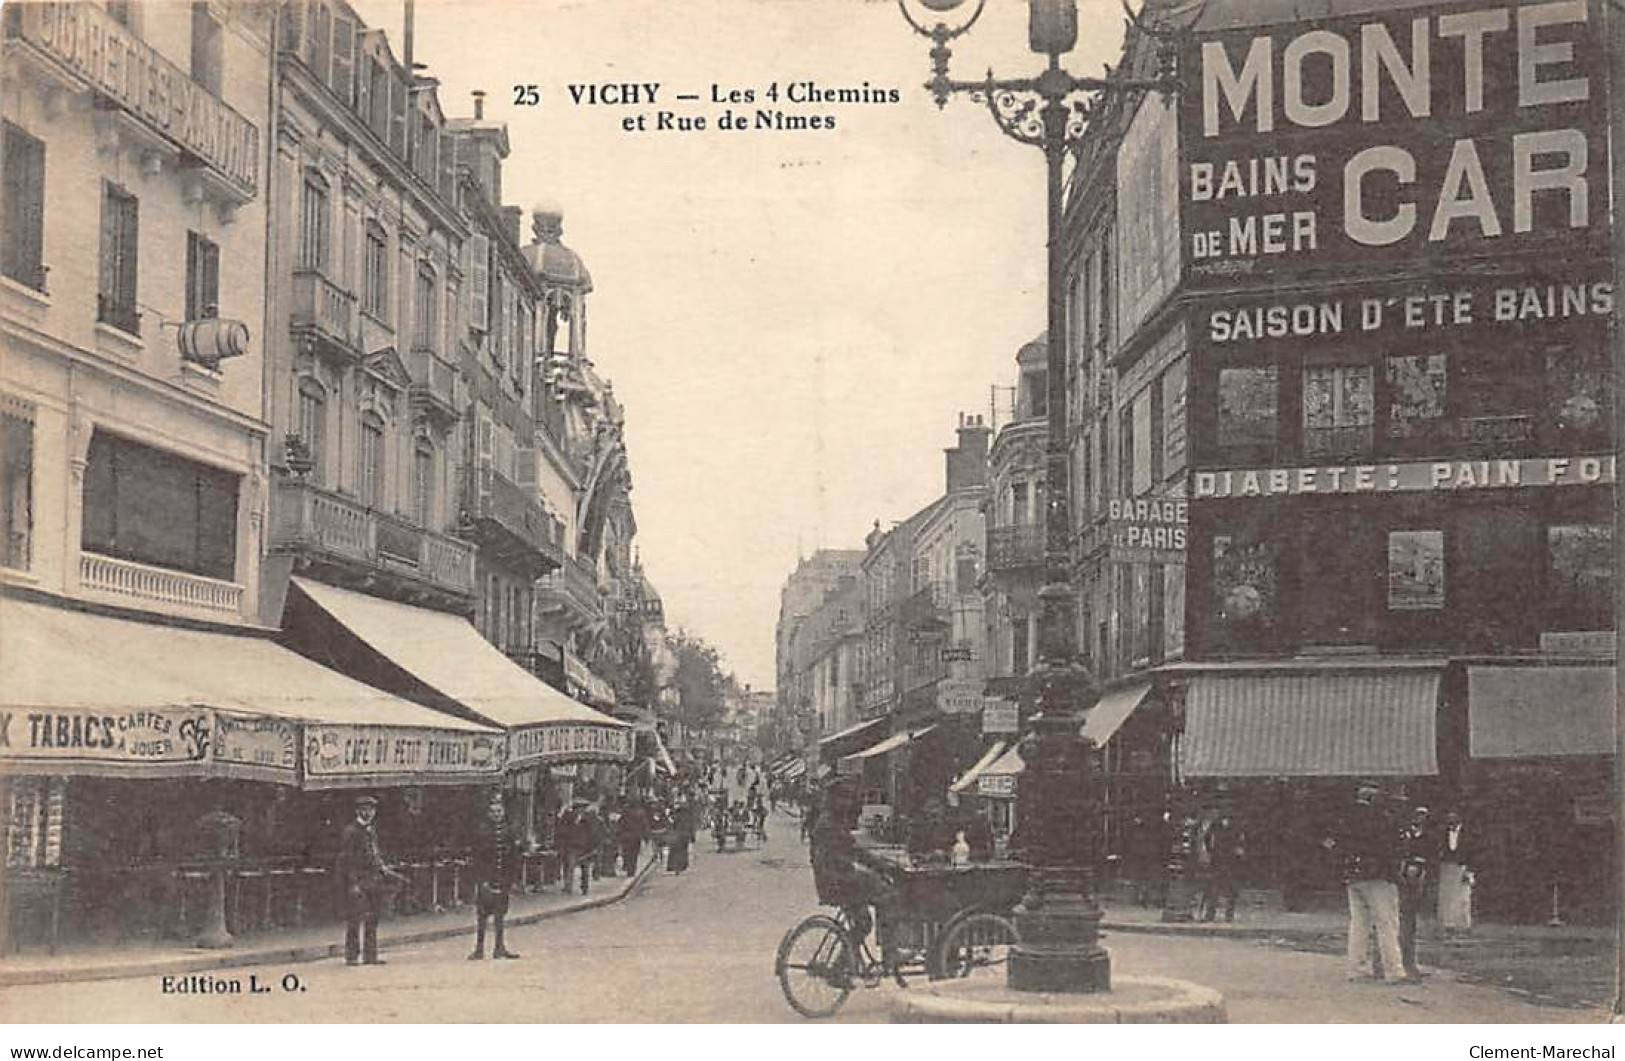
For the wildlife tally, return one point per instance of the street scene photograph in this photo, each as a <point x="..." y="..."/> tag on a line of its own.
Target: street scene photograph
<point x="811" y="512"/>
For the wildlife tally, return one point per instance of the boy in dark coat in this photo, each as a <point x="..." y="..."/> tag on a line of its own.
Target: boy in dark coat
<point x="496" y="872"/>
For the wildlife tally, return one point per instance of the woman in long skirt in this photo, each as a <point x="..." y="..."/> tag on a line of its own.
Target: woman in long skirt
<point x="682" y="835"/>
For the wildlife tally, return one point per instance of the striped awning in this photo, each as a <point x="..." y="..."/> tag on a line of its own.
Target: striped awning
<point x="1525" y="712"/>
<point x="1112" y="710"/>
<point x="989" y="757"/>
<point x="890" y="744"/>
<point x="1314" y="724"/>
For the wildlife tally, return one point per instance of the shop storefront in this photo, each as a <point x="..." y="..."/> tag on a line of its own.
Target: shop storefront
<point x="555" y="747"/>
<point x="118" y="737"/>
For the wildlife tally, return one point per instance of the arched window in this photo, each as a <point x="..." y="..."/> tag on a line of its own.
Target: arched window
<point x="427" y="319"/>
<point x="423" y="483"/>
<point x="313" y="223"/>
<point x="311" y="424"/>
<point x="370" y="461"/>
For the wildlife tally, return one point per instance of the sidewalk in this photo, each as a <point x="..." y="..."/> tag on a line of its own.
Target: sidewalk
<point x="1567" y="966"/>
<point x="314" y="943"/>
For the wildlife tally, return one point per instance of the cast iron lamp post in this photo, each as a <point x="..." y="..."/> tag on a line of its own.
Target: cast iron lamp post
<point x="1058" y="921"/>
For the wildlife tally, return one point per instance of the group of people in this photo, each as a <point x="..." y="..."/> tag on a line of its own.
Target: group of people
<point x="1388" y="859"/>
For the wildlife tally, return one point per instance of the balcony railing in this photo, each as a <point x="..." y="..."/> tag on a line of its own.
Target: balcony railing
<point x="436" y="385"/>
<point x="158" y="585"/>
<point x="1019" y="545"/>
<point x="519" y="512"/>
<point x="309" y="518"/>
<point x="574" y="585"/>
<point x="323" y="308"/>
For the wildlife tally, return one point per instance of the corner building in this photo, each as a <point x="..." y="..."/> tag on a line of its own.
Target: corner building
<point x="1387" y="266"/>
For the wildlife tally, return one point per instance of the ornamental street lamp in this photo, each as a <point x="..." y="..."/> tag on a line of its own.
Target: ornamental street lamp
<point x="1058" y="921"/>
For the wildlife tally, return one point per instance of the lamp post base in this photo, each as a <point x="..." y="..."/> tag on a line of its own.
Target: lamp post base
<point x="1060" y="948"/>
<point x="987" y="1000"/>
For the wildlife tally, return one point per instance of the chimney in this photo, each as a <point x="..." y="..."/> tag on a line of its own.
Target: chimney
<point x="479" y="104"/>
<point x="511" y="218"/>
<point x="967" y="461"/>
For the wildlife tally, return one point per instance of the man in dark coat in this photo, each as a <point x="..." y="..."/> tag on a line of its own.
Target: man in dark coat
<point x="1418" y="853"/>
<point x="365" y="884"/>
<point x="1368" y="843"/>
<point x="496" y="872"/>
<point x="581" y="833"/>
<point x="630" y="833"/>
<point x="1225" y="847"/>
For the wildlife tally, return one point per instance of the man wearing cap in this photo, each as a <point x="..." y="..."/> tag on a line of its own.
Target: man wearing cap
<point x="1418" y="851"/>
<point x="365" y="882"/>
<point x="1368" y="844"/>
<point x="496" y="871"/>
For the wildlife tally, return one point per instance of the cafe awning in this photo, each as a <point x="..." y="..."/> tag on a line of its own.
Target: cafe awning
<point x="1517" y="712"/>
<point x="1112" y="710"/>
<point x="93" y="694"/>
<point x="844" y="742"/>
<point x="1322" y="723"/>
<point x="797" y="768"/>
<point x="445" y="653"/>
<point x="890" y="744"/>
<point x="989" y="757"/>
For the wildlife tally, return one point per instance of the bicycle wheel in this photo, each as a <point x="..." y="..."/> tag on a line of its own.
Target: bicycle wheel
<point x="816" y="966"/>
<point x="973" y="942"/>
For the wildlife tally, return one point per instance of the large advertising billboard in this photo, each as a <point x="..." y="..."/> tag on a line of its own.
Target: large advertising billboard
<point x="1396" y="138"/>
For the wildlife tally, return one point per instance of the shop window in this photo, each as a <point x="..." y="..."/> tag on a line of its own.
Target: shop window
<point x="1579" y="396"/>
<point x="1248" y="408"/>
<point x="22" y="213"/>
<point x="16" y="482"/>
<point x="34" y="815"/>
<point x="1415" y="570"/>
<point x="1417" y="388"/>
<point x="1155" y="616"/>
<point x="1580" y="576"/>
<point x="1338" y="409"/>
<point x="1173" y="611"/>
<point x="370" y="461"/>
<point x="116" y="287"/>
<point x="152" y="507"/>
<point x="1246" y="589"/>
<point x="202" y="277"/>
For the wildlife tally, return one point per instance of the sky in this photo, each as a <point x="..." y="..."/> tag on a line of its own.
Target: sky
<point x="793" y="320"/>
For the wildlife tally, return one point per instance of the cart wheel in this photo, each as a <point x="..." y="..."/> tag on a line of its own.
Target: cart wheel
<point x="973" y="942"/>
<point x="816" y="966"/>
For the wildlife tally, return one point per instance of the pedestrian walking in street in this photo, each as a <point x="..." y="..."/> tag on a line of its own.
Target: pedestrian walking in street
<point x="1225" y="846"/>
<point x="581" y="834"/>
<point x="631" y="830"/>
<point x="1457" y="861"/>
<point x="1368" y="844"/>
<point x="365" y="883"/>
<point x="496" y="872"/>
<point x="1417" y="846"/>
<point x="683" y="825"/>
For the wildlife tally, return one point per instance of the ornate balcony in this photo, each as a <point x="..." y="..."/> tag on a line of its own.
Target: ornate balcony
<point x="357" y="543"/>
<point x="925" y="607"/>
<point x="142" y="585"/>
<point x="438" y="387"/>
<point x="323" y="311"/>
<point x="510" y="520"/>
<point x="1019" y="546"/>
<point x="572" y="589"/>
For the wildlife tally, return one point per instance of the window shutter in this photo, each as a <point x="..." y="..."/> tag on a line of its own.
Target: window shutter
<point x="343" y="80"/>
<point x="397" y="115"/>
<point x="525" y="467"/>
<point x="479" y="288"/>
<point x="193" y="277"/>
<point x="211" y="279"/>
<point x="107" y="283"/>
<point x="128" y="257"/>
<point x="363" y="83"/>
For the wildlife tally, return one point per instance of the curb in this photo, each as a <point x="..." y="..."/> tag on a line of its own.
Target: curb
<point x="236" y="959"/>
<point x="1176" y="928"/>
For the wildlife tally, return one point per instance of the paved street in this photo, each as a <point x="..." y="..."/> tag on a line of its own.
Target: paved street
<point x="699" y="948"/>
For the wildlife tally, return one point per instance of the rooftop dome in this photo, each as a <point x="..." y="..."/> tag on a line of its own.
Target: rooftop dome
<point x="548" y="255"/>
<point x="1035" y="352"/>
